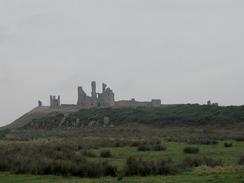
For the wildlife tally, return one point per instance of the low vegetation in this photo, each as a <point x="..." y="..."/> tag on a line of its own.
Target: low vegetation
<point x="151" y="148"/>
<point x="180" y="115"/>
<point x="191" y="150"/>
<point x="138" y="167"/>
<point x="173" y="140"/>
<point x="241" y="161"/>
<point x="228" y="144"/>
<point x="196" y="161"/>
<point x="106" y="154"/>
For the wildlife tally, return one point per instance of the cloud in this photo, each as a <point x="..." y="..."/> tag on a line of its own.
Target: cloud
<point x="179" y="51"/>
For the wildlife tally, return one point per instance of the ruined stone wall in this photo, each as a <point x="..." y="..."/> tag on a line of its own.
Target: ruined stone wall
<point x="55" y="102"/>
<point x="93" y="102"/>
<point x="134" y="103"/>
<point x="106" y="98"/>
<point x="156" y="103"/>
<point x="85" y="101"/>
<point x="82" y="98"/>
<point x="131" y="103"/>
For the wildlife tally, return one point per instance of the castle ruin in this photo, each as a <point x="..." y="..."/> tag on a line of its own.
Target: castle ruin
<point x="104" y="99"/>
<point x="54" y="102"/>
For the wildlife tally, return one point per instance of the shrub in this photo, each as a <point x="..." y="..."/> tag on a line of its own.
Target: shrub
<point x="105" y="154"/>
<point x="110" y="170"/>
<point x="212" y="162"/>
<point x="136" y="144"/>
<point x="151" y="148"/>
<point x="241" y="161"/>
<point x="228" y="144"/>
<point x="98" y="169"/>
<point x="144" y="148"/>
<point x="158" y="148"/>
<point x="195" y="161"/>
<point x="138" y="167"/>
<point x="191" y="150"/>
<point x="89" y="153"/>
<point x="192" y="161"/>
<point x="51" y="159"/>
<point x="239" y="138"/>
<point x="153" y="141"/>
<point x="204" y="141"/>
<point x="166" y="167"/>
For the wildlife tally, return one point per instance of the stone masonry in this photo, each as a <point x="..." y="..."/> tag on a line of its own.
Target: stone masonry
<point x="104" y="99"/>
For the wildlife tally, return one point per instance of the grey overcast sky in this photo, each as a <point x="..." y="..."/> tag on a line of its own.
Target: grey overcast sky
<point x="182" y="51"/>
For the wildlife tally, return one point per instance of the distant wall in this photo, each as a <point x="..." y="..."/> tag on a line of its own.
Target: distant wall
<point x="134" y="103"/>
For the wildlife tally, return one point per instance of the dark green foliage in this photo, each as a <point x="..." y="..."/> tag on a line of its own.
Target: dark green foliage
<point x="136" y="143"/>
<point x="228" y="144"/>
<point x="89" y="153"/>
<point x="151" y="148"/>
<point x="195" y="161"/>
<point x="180" y="115"/>
<point x="239" y="138"/>
<point x="48" y="122"/>
<point x="191" y="150"/>
<point x="158" y="148"/>
<point x="204" y="141"/>
<point x="241" y="161"/>
<point x="138" y="167"/>
<point x="105" y="154"/>
<point x="173" y="114"/>
<point x="144" y="148"/>
<point x="51" y="159"/>
<point x="120" y="178"/>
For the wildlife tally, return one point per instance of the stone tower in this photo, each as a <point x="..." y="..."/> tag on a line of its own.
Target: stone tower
<point x="93" y="94"/>
<point x="39" y="103"/>
<point x="81" y="97"/>
<point x="55" y="102"/>
<point x="106" y="98"/>
<point x="104" y="87"/>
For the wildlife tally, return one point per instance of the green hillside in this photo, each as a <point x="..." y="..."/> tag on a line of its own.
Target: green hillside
<point x="189" y="114"/>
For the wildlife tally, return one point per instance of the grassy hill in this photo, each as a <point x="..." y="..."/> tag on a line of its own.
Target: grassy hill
<point x="193" y="142"/>
<point x="179" y="115"/>
<point x="37" y="113"/>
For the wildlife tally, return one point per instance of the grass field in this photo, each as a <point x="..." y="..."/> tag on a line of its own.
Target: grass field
<point x="27" y="160"/>
<point x="230" y="172"/>
<point x="208" y="175"/>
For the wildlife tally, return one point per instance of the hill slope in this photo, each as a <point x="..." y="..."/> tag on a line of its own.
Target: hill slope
<point x="37" y="113"/>
<point x="190" y="115"/>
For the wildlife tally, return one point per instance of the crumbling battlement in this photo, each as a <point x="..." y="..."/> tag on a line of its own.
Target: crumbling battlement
<point x="54" y="102"/>
<point x="104" y="99"/>
<point x="134" y="103"/>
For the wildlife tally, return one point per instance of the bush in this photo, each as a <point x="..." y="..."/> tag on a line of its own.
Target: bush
<point x="89" y="153"/>
<point x="105" y="154"/>
<point x="153" y="141"/>
<point x="196" y="161"/>
<point x="212" y="162"/>
<point x="151" y="148"/>
<point x="191" y="150"/>
<point x="228" y="144"/>
<point x="138" y="167"/>
<point x="110" y="170"/>
<point x="51" y="160"/>
<point x="204" y="141"/>
<point x="192" y="162"/>
<point x="158" y="148"/>
<point x="136" y="144"/>
<point x="144" y="148"/>
<point x="239" y="138"/>
<point x="241" y="161"/>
